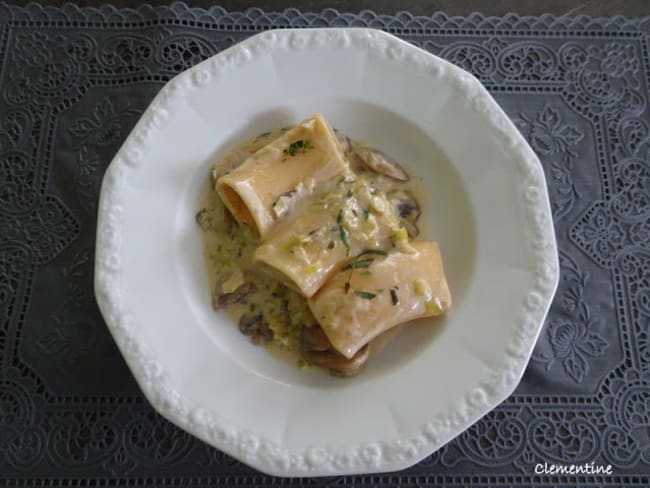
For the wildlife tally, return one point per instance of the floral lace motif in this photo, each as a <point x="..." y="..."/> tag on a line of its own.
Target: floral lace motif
<point x="74" y="81"/>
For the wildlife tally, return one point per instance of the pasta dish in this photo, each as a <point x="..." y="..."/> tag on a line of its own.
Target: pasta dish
<point x="314" y="247"/>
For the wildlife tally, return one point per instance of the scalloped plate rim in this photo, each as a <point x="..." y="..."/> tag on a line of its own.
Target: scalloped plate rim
<point x="261" y="454"/>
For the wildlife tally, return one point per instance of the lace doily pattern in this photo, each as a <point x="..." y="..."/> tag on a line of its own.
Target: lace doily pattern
<point x="74" y="81"/>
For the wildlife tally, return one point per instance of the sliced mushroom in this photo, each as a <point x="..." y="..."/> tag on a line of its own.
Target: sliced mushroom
<point x="407" y="205"/>
<point x="411" y="229"/>
<point x="316" y="349"/>
<point x="313" y="339"/>
<point x="408" y="209"/>
<point x="255" y="327"/>
<point x="263" y="334"/>
<point x="344" y="141"/>
<point x="220" y="299"/>
<point x="336" y="363"/>
<point x="380" y="163"/>
<point x="203" y="219"/>
<point x="248" y="323"/>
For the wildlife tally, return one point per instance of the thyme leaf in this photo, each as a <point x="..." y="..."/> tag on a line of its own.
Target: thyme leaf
<point x="365" y="294"/>
<point x="362" y="263"/>
<point x="393" y="296"/>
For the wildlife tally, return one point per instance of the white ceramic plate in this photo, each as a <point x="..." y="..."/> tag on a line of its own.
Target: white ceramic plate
<point x="488" y="208"/>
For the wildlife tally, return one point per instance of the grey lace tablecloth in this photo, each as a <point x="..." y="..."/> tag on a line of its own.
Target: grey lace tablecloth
<point x="74" y="81"/>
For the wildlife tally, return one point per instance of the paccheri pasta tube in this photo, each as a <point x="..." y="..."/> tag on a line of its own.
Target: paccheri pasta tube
<point x="350" y="218"/>
<point x="358" y="304"/>
<point x="274" y="179"/>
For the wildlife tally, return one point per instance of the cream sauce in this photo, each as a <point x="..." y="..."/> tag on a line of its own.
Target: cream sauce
<point x="229" y="247"/>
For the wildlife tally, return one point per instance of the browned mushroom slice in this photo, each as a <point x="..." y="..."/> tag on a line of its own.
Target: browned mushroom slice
<point x="255" y="327"/>
<point x="220" y="299"/>
<point x="336" y="363"/>
<point x="317" y="350"/>
<point x="203" y="219"/>
<point x="408" y="209"/>
<point x="380" y="162"/>
<point x="313" y="339"/>
<point x="263" y="334"/>
<point x="411" y="229"/>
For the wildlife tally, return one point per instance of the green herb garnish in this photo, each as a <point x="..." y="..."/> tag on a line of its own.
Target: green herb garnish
<point x="331" y="245"/>
<point x="380" y="252"/>
<point x="349" y="193"/>
<point x="345" y="238"/>
<point x="364" y="294"/>
<point x="366" y="213"/>
<point x="342" y="232"/>
<point x="299" y="146"/>
<point x="363" y="263"/>
<point x="393" y="296"/>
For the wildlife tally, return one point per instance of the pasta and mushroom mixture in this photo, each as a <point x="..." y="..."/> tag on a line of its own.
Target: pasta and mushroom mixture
<point x="312" y="245"/>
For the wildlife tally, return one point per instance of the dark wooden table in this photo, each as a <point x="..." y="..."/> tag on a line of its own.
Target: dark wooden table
<point x="594" y="8"/>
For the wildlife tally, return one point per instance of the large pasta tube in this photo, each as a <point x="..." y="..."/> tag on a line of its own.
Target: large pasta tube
<point x="305" y="251"/>
<point x="264" y="188"/>
<point x="356" y="306"/>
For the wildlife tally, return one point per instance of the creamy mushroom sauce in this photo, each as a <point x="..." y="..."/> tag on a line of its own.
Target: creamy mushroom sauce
<point x="263" y="308"/>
